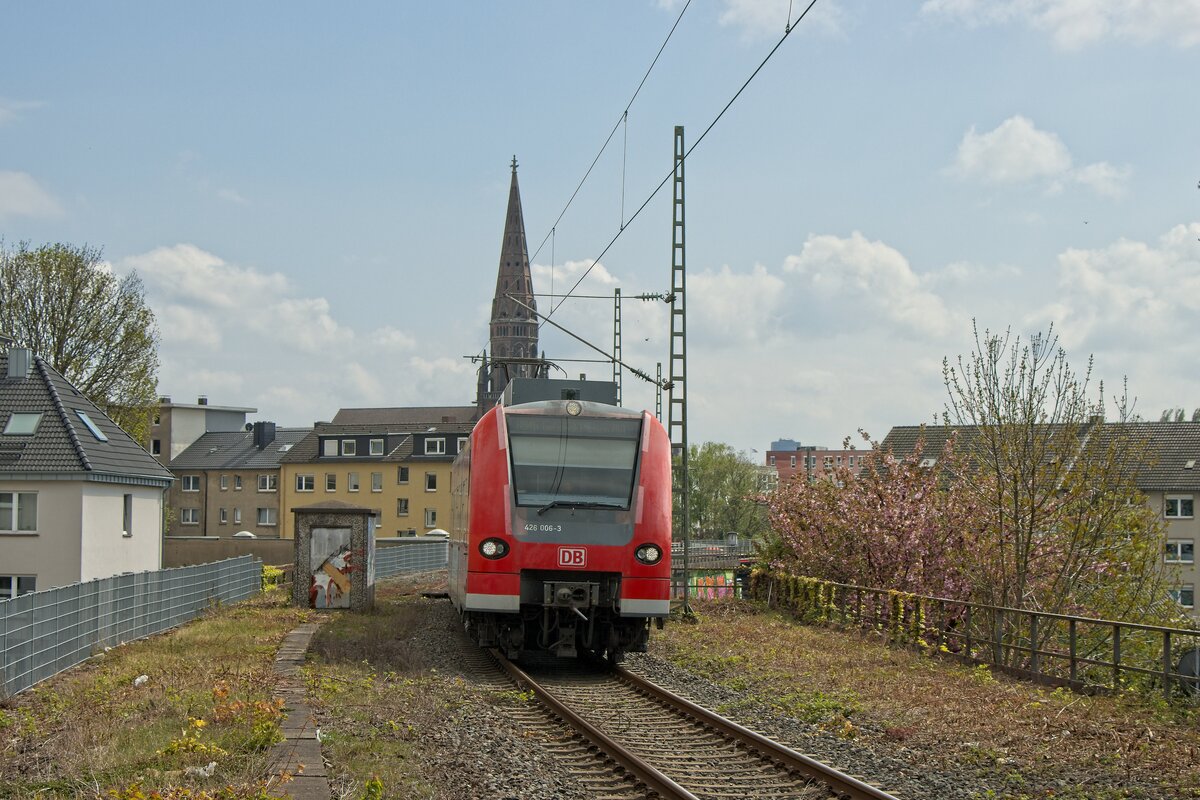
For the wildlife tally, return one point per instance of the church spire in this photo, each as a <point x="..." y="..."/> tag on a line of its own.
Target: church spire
<point x="513" y="333"/>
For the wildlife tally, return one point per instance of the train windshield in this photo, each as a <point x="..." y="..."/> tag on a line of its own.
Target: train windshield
<point x="573" y="462"/>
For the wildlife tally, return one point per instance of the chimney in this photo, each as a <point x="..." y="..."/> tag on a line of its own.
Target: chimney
<point x="20" y="359"/>
<point x="264" y="434"/>
<point x="201" y="400"/>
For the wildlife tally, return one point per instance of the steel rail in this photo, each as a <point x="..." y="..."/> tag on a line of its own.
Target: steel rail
<point x="651" y="777"/>
<point x="840" y="782"/>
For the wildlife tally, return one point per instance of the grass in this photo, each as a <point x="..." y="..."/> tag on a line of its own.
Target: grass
<point x="206" y="697"/>
<point x="389" y="720"/>
<point x="1022" y="741"/>
<point x="377" y="698"/>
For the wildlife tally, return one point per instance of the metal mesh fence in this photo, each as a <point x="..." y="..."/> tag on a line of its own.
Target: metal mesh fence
<point x="410" y="555"/>
<point x="43" y="633"/>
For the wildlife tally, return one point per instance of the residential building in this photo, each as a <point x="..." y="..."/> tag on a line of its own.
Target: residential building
<point x="228" y="482"/>
<point x="1169" y="478"/>
<point x="393" y="462"/>
<point x="79" y="499"/>
<point x="176" y="426"/>
<point x="790" y="459"/>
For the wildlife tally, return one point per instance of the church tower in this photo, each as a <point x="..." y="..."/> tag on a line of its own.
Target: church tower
<point x="513" y="334"/>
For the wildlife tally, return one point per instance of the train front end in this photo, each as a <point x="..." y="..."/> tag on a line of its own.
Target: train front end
<point x="562" y="534"/>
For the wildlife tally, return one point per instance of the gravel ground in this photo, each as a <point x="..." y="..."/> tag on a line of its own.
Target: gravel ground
<point x="482" y="752"/>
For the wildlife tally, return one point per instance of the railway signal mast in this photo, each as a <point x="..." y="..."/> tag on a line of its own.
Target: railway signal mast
<point x="677" y="379"/>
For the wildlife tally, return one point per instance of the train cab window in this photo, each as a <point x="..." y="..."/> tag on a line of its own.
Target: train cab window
<point x="574" y="462"/>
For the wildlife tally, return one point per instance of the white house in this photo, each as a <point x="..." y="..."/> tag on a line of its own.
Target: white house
<point x="79" y="499"/>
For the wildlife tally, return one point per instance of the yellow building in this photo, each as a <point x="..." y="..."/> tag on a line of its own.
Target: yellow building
<point x="398" y="469"/>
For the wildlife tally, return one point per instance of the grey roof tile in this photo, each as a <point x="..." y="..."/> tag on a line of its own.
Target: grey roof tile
<point x="62" y="442"/>
<point x="236" y="450"/>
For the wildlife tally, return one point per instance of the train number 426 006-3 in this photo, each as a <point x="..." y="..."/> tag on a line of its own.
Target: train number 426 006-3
<point x="544" y="528"/>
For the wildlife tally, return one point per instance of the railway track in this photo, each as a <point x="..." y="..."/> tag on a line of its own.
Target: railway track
<point x="658" y="743"/>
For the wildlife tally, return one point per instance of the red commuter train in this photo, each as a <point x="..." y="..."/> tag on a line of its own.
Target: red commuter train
<point x="561" y="531"/>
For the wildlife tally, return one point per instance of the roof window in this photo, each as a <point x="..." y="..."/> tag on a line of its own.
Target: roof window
<point x="91" y="426"/>
<point x="1191" y="464"/>
<point x="22" y="423"/>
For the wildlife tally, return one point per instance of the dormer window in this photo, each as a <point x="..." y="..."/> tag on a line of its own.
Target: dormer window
<point x="435" y="447"/>
<point x="22" y="424"/>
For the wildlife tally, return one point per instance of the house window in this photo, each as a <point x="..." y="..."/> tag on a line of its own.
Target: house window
<point x="377" y="447"/>
<point x="793" y="464"/>
<point x="224" y="482"/>
<point x="435" y="447"/>
<point x="431" y="518"/>
<point x="18" y="512"/>
<point x="401" y="475"/>
<point x="267" y="516"/>
<point x="402" y="507"/>
<point x="852" y="461"/>
<point x="189" y="516"/>
<point x="771" y="461"/>
<point x="91" y="426"/>
<point x="462" y="442"/>
<point x="1178" y="507"/>
<point x="376" y="481"/>
<point x="16" y="585"/>
<point x="431" y="481"/>
<point x="349" y="447"/>
<point x="1185" y="595"/>
<point x="191" y="483"/>
<point x="1180" y="551"/>
<point x="155" y="447"/>
<point x="237" y="516"/>
<point x="22" y="424"/>
<point x="269" y="483"/>
<point x="330" y="482"/>
<point x="352" y="481"/>
<point x="237" y="483"/>
<point x="329" y="448"/>
<point x="224" y="516"/>
<point x="305" y="483"/>
<point x="127" y="515"/>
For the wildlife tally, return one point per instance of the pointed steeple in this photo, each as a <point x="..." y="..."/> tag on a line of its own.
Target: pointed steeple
<point x="514" y="331"/>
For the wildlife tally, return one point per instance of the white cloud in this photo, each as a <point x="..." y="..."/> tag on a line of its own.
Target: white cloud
<point x="298" y="361"/>
<point x="853" y="274"/>
<point x="1017" y="152"/>
<point x="1074" y="24"/>
<point x="769" y="18"/>
<point x="1132" y="294"/>
<point x="233" y="196"/>
<point x="21" y="196"/>
<point x="736" y="309"/>
<point x="10" y="110"/>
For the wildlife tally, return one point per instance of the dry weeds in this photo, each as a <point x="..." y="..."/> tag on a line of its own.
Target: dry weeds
<point x="1043" y="743"/>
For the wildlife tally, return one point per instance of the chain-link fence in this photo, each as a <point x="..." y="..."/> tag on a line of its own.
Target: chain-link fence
<point x="43" y="633"/>
<point x="418" y="554"/>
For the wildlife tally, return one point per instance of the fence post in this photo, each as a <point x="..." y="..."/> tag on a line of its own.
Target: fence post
<point x="967" y="624"/>
<point x="997" y="634"/>
<point x="1033" y="644"/>
<point x="1116" y="656"/>
<point x="1074" y="663"/>
<point x="1166" y="662"/>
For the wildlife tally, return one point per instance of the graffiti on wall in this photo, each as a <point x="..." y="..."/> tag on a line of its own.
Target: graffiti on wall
<point x="333" y="561"/>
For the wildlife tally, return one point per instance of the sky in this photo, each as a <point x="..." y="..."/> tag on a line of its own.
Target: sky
<point x="314" y="194"/>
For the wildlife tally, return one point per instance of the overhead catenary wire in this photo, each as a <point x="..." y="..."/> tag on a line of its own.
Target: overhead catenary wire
<point x="787" y="32"/>
<point x="621" y="119"/>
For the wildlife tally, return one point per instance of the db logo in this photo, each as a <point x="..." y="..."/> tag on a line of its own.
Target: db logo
<point x="572" y="557"/>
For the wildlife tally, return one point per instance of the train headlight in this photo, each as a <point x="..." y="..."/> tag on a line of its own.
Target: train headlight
<point x="573" y="408"/>
<point x="493" y="548"/>
<point x="648" y="554"/>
